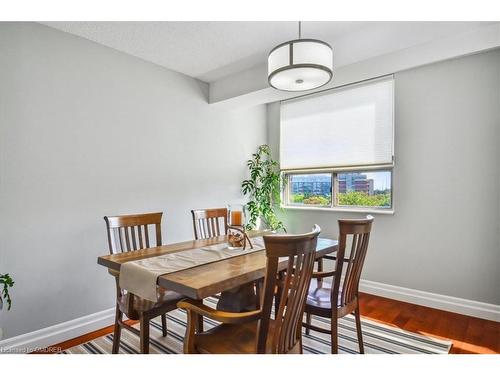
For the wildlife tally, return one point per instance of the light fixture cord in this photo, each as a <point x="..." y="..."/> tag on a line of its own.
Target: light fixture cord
<point x="300" y="30"/>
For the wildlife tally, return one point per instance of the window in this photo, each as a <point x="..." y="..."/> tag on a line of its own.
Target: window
<point x="336" y="148"/>
<point x="310" y="189"/>
<point x="344" y="189"/>
<point x="364" y="189"/>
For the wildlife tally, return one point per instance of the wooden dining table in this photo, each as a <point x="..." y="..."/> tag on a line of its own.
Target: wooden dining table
<point x="228" y="276"/>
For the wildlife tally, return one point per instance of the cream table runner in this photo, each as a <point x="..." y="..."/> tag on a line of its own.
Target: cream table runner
<point x="140" y="276"/>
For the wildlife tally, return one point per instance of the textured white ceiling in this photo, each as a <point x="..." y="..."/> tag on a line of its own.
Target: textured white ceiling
<point x="212" y="50"/>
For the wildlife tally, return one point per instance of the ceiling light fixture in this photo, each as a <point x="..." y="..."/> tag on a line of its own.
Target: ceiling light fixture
<point x="300" y="64"/>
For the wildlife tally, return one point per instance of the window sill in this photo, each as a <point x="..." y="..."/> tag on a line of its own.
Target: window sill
<point x="342" y="209"/>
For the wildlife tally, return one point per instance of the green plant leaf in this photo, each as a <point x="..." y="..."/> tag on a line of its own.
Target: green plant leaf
<point x="7" y="283"/>
<point x="263" y="189"/>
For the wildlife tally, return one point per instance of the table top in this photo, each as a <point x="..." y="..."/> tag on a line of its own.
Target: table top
<point x="207" y="279"/>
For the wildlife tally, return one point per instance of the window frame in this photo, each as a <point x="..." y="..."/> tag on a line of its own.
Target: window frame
<point x="285" y="195"/>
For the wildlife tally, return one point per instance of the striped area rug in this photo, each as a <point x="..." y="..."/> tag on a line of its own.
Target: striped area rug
<point x="378" y="338"/>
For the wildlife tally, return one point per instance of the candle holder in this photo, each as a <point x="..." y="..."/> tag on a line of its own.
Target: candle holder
<point x="236" y="235"/>
<point x="237" y="238"/>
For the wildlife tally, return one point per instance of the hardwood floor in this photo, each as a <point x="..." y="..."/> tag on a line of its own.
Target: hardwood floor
<point x="469" y="335"/>
<point x="79" y="340"/>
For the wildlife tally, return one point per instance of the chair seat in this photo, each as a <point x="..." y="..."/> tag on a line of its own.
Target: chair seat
<point x="165" y="298"/>
<point x="233" y="339"/>
<point x="319" y="295"/>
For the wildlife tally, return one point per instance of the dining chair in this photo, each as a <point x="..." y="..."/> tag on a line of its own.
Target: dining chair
<point x="339" y="298"/>
<point x="255" y="331"/>
<point x="209" y="222"/>
<point x="131" y="233"/>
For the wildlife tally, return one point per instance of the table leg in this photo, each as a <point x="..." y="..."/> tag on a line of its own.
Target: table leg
<point x="259" y="289"/>
<point x="199" y="329"/>
<point x="198" y="323"/>
<point x="242" y="298"/>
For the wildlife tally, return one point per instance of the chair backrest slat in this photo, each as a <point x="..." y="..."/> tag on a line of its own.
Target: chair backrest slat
<point x="158" y="235"/>
<point x="348" y="267"/>
<point x="299" y="252"/>
<point x="127" y="239"/>
<point x="146" y="235"/>
<point x="139" y="237"/>
<point x="132" y="237"/>
<point x="211" y="222"/>
<point x="209" y="227"/>
<point x="122" y="231"/>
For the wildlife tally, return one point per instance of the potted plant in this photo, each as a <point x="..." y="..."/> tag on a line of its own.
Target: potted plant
<point x="6" y="282"/>
<point x="264" y="190"/>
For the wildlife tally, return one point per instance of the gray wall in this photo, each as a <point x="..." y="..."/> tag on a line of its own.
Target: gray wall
<point x="444" y="235"/>
<point x="86" y="131"/>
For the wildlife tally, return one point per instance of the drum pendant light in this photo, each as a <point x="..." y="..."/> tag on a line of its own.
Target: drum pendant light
<point x="300" y="64"/>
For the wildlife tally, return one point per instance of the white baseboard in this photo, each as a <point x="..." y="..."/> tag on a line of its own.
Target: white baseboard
<point x="55" y="334"/>
<point x="437" y="301"/>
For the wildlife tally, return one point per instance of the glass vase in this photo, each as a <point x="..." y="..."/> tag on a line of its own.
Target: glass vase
<point x="236" y="226"/>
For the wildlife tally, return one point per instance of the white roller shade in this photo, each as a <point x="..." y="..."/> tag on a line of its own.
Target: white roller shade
<point x="345" y="127"/>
